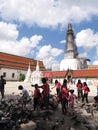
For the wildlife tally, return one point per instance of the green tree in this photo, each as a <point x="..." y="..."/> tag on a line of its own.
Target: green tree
<point x="22" y="77"/>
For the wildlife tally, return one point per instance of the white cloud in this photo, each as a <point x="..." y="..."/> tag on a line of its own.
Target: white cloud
<point x="44" y="13"/>
<point x="48" y="54"/>
<point x="9" y="40"/>
<point x="47" y="13"/>
<point x="83" y="54"/>
<point x="55" y="66"/>
<point x="8" y="31"/>
<point x="55" y="52"/>
<point x="97" y="51"/>
<point x="9" y="43"/>
<point x="63" y="41"/>
<point x="95" y="62"/>
<point x="87" y="39"/>
<point x="35" y="40"/>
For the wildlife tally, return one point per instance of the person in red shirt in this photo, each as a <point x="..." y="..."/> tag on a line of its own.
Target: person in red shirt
<point x="85" y="95"/>
<point x="64" y="96"/>
<point x="79" y="86"/>
<point x="37" y="96"/>
<point x="71" y="99"/>
<point x="57" y="86"/>
<point x="46" y="92"/>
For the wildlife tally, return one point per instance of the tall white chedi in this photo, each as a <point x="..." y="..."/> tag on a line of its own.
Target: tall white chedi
<point x="28" y="75"/>
<point x="36" y="75"/>
<point x="71" y="59"/>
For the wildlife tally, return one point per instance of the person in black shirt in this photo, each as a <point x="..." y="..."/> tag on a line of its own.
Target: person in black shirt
<point x="2" y="86"/>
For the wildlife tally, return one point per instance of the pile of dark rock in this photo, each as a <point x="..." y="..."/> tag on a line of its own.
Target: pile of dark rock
<point x="15" y="116"/>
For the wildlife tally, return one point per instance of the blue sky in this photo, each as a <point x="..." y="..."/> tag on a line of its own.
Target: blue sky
<point x="37" y="29"/>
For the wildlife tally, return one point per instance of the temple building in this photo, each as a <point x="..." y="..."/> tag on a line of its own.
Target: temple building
<point x="71" y="59"/>
<point x="11" y="66"/>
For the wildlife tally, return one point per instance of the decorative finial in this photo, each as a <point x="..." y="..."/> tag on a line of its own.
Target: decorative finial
<point x="69" y="26"/>
<point x="37" y="66"/>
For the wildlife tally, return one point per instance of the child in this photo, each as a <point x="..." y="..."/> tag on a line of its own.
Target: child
<point x="25" y="94"/>
<point x="71" y="99"/>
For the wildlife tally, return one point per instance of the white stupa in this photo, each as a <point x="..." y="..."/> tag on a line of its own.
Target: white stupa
<point x="36" y="75"/>
<point x="28" y="75"/>
<point x="71" y="60"/>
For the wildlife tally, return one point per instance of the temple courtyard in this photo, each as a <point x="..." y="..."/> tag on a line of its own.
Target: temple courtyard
<point x="85" y="117"/>
<point x="12" y="87"/>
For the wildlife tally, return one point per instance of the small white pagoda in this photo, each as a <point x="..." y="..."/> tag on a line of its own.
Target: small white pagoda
<point x="28" y="75"/>
<point x="36" y="75"/>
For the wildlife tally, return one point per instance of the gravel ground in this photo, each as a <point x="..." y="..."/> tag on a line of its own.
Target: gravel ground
<point x="70" y="122"/>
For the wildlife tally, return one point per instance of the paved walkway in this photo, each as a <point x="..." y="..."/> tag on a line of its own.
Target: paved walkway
<point x="12" y="87"/>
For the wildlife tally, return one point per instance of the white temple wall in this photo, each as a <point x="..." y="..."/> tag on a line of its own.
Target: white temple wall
<point x="89" y="81"/>
<point x="11" y="74"/>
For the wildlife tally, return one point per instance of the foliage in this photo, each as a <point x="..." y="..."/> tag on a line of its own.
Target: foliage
<point x="97" y="78"/>
<point x="22" y="77"/>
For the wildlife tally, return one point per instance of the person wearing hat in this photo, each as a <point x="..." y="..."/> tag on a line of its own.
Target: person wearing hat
<point x="2" y="86"/>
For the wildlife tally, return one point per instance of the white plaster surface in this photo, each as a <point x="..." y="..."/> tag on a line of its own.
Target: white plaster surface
<point x="69" y="64"/>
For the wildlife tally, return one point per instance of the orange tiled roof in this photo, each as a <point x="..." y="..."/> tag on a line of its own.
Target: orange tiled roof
<point x="18" y="62"/>
<point x="74" y="73"/>
<point x="93" y="66"/>
<point x="85" y="73"/>
<point x="54" y="74"/>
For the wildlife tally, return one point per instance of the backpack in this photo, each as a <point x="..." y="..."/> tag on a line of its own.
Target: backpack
<point x="88" y="89"/>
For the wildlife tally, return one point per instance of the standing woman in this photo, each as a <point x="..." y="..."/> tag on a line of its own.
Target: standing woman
<point x="79" y="86"/>
<point x="57" y="86"/>
<point x="85" y="95"/>
<point x="64" y="96"/>
<point x="46" y="93"/>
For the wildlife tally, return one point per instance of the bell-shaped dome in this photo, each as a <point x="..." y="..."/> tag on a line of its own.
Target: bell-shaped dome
<point x="72" y="64"/>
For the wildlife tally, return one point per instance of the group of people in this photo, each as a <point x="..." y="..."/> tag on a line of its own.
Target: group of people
<point x="38" y="97"/>
<point x="64" y="94"/>
<point x="82" y="91"/>
<point x="67" y="96"/>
